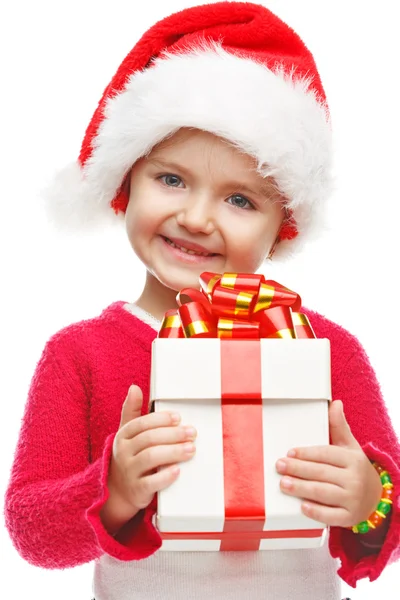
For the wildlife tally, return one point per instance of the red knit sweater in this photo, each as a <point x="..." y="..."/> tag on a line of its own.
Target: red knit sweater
<point x="58" y="480"/>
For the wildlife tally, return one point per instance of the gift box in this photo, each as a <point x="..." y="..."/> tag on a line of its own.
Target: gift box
<point x="251" y="399"/>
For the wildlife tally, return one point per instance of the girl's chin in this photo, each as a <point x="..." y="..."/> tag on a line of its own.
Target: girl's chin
<point x="178" y="281"/>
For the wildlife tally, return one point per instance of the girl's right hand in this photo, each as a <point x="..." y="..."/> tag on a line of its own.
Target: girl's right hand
<point x="146" y="453"/>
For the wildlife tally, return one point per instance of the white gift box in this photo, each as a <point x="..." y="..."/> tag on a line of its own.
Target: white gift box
<point x="199" y="378"/>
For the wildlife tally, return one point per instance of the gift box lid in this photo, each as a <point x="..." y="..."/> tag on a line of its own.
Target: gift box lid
<point x="184" y="369"/>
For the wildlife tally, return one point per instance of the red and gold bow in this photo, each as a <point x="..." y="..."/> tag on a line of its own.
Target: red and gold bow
<point x="237" y="305"/>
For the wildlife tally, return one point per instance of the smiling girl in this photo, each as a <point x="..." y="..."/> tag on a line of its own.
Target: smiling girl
<point x="213" y="142"/>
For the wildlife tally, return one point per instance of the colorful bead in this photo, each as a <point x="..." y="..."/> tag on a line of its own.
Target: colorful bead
<point x="388" y="486"/>
<point x="387" y="493"/>
<point x="363" y="527"/>
<point x="385" y="477"/>
<point x="386" y="500"/>
<point x="375" y="519"/>
<point x="384" y="506"/>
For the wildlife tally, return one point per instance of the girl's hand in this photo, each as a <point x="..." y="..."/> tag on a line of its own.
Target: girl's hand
<point x="142" y="445"/>
<point x="338" y="483"/>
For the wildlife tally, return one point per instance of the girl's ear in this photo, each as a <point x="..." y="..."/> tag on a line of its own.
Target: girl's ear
<point x="287" y="231"/>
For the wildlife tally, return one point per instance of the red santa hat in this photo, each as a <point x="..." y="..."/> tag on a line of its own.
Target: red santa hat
<point x="230" y="68"/>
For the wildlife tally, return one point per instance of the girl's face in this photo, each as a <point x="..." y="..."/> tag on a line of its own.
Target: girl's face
<point x="198" y="204"/>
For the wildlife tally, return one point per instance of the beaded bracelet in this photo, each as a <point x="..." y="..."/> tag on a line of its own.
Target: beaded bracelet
<point x="384" y="506"/>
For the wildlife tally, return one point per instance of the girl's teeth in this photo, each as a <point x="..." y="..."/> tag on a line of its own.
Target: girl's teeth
<point x="186" y="250"/>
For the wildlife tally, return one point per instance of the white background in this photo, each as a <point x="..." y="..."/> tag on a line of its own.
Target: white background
<point x="56" y="59"/>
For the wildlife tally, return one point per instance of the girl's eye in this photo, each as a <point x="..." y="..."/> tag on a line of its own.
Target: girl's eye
<point x="240" y="202"/>
<point x="171" y="180"/>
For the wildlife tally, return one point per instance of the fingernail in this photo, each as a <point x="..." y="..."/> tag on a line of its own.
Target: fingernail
<point x="189" y="448"/>
<point x="287" y="482"/>
<point x="291" y="453"/>
<point x="190" y="432"/>
<point x="281" y="466"/>
<point x="175" y="418"/>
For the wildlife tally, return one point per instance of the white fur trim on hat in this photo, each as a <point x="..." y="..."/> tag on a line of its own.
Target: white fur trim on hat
<point x="272" y="116"/>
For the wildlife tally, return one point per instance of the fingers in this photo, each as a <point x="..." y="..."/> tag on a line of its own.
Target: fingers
<point x="330" y="455"/>
<point x="146" y="422"/>
<point x="132" y="407"/>
<point x="312" y="471"/>
<point x="161" y="436"/>
<point x="339" y="428"/>
<point x="334" y="517"/>
<point x="160" y="456"/>
<point x="156" y="482"/>
<point x="316" y="491"/>
<point x="147" y="450"/>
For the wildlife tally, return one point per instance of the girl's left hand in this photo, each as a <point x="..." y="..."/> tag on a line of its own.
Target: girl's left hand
<point x="338" y="483"/>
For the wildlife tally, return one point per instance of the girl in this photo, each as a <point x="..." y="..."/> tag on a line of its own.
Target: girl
<point x="213" y="142"/>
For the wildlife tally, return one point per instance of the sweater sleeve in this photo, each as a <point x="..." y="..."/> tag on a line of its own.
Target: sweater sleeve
<point x="55" y="492"/>
<point x="367" y="555"/>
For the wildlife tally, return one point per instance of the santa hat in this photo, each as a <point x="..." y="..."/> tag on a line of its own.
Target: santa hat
<point x="231" y="68"/>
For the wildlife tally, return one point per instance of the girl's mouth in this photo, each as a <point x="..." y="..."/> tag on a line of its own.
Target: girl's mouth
<point x="188" y="253"/>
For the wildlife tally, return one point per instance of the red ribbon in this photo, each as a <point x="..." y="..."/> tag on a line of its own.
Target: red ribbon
<point x="244" y="307"/>
<point x="237" y="305"/>
<point x="241" y="405"/>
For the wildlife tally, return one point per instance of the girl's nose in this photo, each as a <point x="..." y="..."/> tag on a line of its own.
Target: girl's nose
<point x="197" y="215"/>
